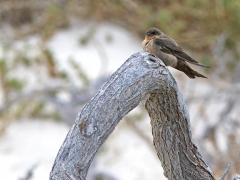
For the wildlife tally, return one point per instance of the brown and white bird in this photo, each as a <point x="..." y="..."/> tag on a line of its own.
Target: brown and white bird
<point x="165" y="48"/>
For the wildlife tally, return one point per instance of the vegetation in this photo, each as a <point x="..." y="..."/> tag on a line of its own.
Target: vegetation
<point x="207" y="29"/>
<point x="197" y="25"/>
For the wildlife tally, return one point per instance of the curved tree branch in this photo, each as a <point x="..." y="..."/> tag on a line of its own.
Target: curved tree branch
<point x="172" y="136"/>
<point x="142" y="74"/>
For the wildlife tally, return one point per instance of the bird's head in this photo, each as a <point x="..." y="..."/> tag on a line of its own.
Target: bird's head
<point x="153" y="32"/>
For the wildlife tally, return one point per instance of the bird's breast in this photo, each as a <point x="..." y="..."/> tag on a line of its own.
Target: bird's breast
<point x="151" y="47"/>
<point x="147" y="45"/>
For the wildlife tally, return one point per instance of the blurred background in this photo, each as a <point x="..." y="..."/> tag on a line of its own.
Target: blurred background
<point x="55" y="55"/>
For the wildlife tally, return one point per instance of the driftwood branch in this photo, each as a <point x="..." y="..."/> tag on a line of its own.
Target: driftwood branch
<point x="141" y="76"/>
<point x="172" y="136"/>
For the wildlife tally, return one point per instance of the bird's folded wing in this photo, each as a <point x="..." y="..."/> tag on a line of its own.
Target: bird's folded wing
<point x="170" y="47"/>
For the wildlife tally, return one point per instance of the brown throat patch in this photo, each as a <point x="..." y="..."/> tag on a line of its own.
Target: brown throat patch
<point x="148" y="39"/>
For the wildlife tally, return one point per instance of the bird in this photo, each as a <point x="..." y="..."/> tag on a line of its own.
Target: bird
<point x="159" y="44"/>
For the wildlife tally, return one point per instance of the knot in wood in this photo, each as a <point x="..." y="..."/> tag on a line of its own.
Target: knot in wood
<point x="86" y="129"/>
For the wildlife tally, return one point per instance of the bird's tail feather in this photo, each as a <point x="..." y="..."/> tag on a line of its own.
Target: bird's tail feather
<point x="184" y="67"/>
<point x="190" y="60"/>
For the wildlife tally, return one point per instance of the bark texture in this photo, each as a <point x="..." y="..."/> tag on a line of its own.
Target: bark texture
<point x="141" y="75"/>
<point x="172" y="136"/>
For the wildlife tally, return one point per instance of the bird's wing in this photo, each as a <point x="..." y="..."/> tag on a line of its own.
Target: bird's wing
<point x="169" y="46"/>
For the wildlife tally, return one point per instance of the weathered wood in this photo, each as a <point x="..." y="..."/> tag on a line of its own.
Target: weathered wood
<point x="138" y="76"/>
<point x="141" y="75"/>
<point x="172" y="136"/>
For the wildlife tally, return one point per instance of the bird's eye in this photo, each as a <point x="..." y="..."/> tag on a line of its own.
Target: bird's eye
<point x="151" y="33"/>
